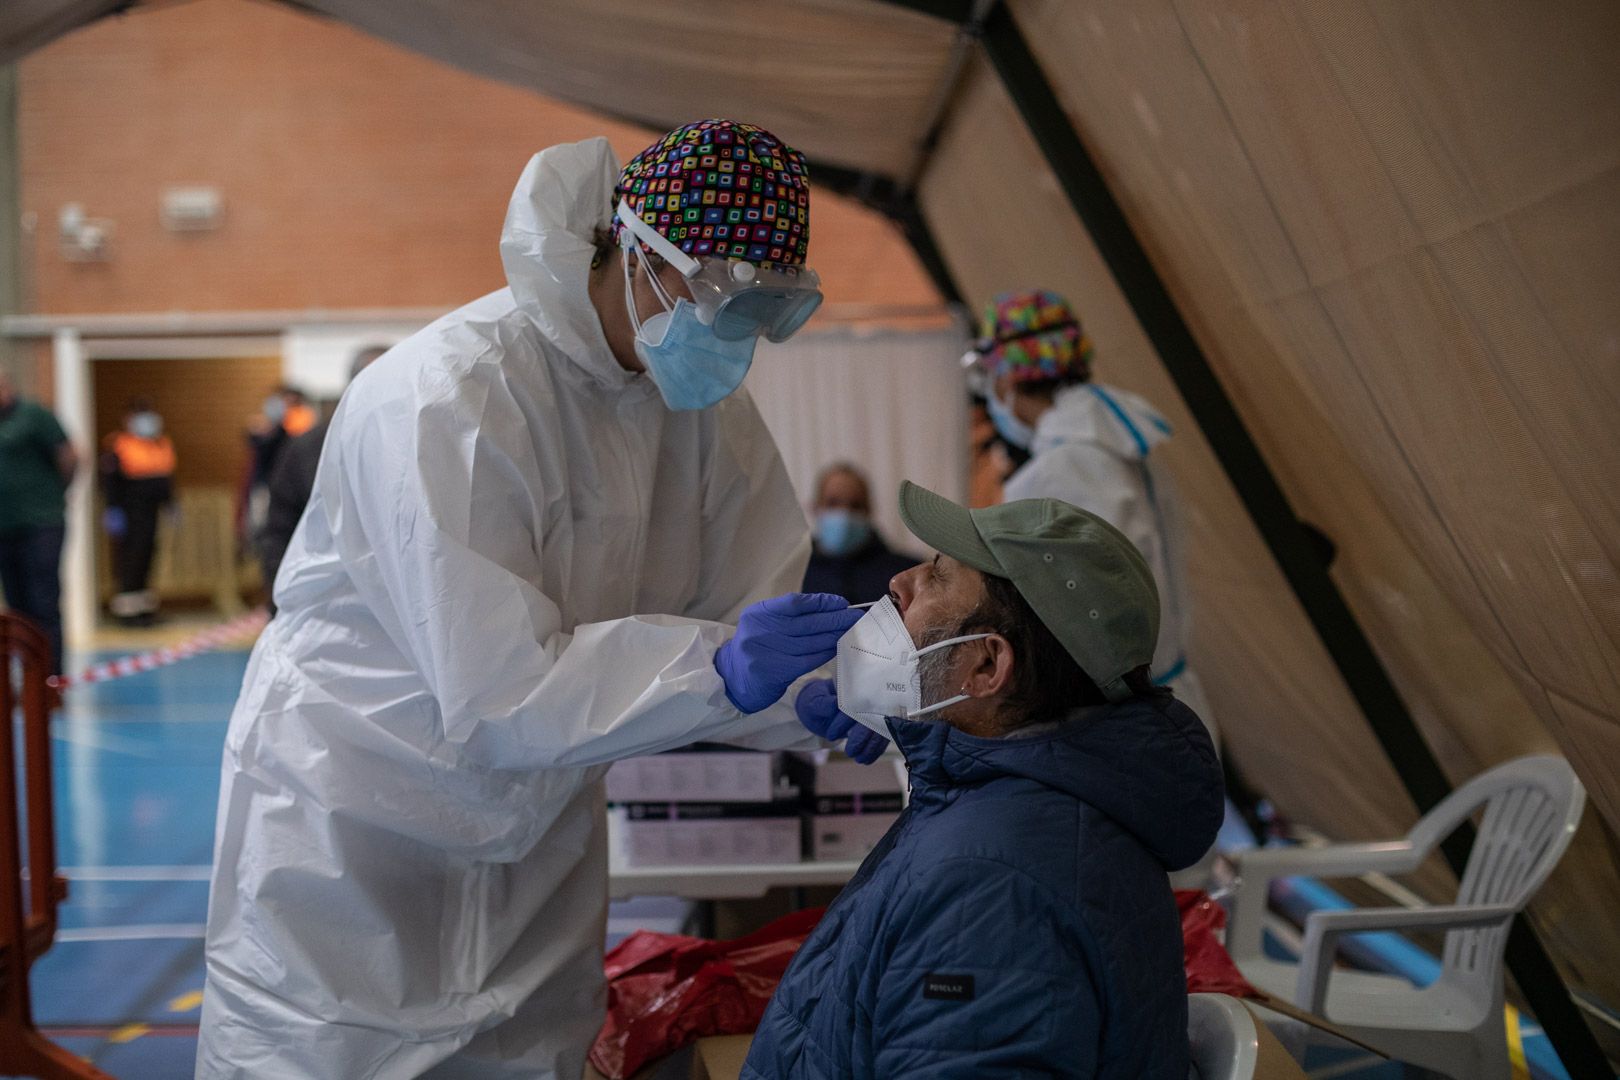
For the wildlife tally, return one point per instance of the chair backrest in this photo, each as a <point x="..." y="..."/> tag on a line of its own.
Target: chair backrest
<point x="1222" y="1035"/>
<point x="1532" y="806"/>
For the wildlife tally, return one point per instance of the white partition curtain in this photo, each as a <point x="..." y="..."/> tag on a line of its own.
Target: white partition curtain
<point x="890" y="401"/>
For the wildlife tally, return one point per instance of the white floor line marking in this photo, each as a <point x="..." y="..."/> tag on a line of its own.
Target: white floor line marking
<point x="136" y="873"/>
<point x="146" y="932"/>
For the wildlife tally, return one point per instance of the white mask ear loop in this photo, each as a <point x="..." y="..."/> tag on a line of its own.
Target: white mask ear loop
<point x="658" y="286"/>
<point x="630" y="292"/>
<point x="947" y="643"/>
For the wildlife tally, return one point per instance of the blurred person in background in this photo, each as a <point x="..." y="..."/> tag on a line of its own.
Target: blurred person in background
<point x="137" y="483"/>
<point x="291" y="479"/>
<point x="850" y="557"/>
<point x="1093" y="446"/>
<point x="285" y="415"/>
<point x="549" y="532"/>
<point x="37" y="462"/>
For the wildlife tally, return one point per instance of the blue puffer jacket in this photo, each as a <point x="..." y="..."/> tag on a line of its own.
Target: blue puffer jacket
<point x="1017" y="920"/>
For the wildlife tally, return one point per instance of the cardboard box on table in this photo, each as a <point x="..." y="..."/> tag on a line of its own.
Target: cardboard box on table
<point x="853" y="806"/>
<point x="712" y="834"/>
<point x="708" y="807"/>
<point x="706" y="776"/>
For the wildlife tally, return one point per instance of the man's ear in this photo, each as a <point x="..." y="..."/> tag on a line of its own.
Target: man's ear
<point x="992" y="672"/>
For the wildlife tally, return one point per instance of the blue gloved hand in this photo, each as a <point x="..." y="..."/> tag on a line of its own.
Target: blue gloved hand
<point x="777" y="641"/>
<point x="114" y="521"/>
<point x="817" y="706"/>
<point x="865" y="745"/>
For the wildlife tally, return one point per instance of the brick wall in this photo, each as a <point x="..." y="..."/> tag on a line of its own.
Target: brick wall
<point x="354" y="173"/>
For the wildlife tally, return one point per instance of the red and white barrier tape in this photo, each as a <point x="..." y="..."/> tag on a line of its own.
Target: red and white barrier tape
<point x="209" y="639"/>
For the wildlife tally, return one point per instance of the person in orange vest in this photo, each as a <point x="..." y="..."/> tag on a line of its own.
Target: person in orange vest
<point x="137" y="476"/>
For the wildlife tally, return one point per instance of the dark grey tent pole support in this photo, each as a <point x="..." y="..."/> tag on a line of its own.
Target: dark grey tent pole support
<point x="1267" y="505"/>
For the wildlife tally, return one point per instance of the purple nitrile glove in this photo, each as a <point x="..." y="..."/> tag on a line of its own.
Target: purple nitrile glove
<point x="777" y="641"/>
<point x="817" y="706"/>
<point x="865" y="745"/>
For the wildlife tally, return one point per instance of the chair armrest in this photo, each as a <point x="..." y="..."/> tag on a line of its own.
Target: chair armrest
<point x="1324" y="928"/>
<point x="1259" y="867"/>
<point x="1331" y="860"/>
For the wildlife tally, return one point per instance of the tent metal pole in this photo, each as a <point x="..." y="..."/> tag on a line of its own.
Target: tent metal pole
<point x="1268" y="506"/>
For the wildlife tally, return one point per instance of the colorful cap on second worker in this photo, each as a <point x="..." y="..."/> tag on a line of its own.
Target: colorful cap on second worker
<point x="1033" y="335"/>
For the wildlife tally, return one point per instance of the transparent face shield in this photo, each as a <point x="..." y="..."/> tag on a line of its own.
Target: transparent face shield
<point x="734" y="297"/>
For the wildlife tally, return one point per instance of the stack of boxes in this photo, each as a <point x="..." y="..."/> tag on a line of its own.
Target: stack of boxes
<point x="852" y="806"/>
<point x="724" y="807"/>
<point x="703" y="807"/>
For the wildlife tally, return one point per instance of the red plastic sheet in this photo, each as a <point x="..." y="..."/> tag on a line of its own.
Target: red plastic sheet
<point x="666" y="991"/>
<point x="1209" y="969"/>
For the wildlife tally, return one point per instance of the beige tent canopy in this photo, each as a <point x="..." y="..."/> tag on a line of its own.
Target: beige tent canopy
<point x="1388" y="231"/>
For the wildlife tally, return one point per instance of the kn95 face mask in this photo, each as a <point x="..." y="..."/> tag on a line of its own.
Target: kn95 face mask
<point x="877" y="669"/>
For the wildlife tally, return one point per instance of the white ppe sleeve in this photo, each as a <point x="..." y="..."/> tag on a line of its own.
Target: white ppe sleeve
<point x="439" y="522"/>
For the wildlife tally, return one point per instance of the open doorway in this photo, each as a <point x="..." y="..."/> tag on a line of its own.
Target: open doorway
<point x="205" y="403"/>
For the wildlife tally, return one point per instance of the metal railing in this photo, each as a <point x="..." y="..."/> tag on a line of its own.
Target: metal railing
<point x="30" y="889"/>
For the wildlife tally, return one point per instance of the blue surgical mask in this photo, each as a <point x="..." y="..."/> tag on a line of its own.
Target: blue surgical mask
<point x="275" y="408"/>
<point x="1014" y="430"/>
<point x="691" y="367"/>
<point x="840" y="532"/>
<point x="146" y="425"/>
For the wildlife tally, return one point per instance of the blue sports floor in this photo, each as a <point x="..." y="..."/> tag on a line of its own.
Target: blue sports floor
<point x="136" y="767"/>
<point x="137" y="777"/>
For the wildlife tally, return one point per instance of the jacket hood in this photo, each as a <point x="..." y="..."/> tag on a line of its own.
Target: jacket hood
<point x="1146" y="764"/>
<point x="1115" y="419"/>
<point x="564" y="195"/>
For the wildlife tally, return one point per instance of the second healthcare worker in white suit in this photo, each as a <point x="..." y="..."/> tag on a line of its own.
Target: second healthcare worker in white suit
<point x="1091" y="446"/>
<point x="548" y="531"/>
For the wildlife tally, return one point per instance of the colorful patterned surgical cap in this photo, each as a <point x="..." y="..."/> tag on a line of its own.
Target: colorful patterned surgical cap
<point x="723" y="189"/>
<point x="1033" y="335"/>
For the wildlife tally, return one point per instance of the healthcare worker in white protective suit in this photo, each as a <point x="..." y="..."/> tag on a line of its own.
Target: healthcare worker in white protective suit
<point x="1091" y="446"/>
<point x="522" y="560"/>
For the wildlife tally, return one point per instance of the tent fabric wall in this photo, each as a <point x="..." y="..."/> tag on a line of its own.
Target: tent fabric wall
<point x="27" y="24"/>
<point x="888" y="401"/>
<point x="853" y="81"/>
<point x="1287" y="719"/>
<point x="1394" y="229"/>
<point x="1349" y="249"/>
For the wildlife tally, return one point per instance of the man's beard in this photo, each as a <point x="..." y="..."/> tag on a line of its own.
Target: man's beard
<point x="934" y="670"/>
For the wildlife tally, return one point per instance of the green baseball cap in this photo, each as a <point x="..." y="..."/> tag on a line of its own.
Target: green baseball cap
<point x="1079" y="574"/>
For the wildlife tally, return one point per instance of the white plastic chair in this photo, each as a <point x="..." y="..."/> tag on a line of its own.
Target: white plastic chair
<point x="1454" y="1026"/>
<point x="1224" y="1040"/>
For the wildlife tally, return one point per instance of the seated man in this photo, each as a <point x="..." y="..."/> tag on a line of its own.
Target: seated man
<point x="1016" y="920"/>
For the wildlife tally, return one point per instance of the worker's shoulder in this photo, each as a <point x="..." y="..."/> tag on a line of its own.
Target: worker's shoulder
<point x="477" y="346"/>
<point x="492" y="324"/>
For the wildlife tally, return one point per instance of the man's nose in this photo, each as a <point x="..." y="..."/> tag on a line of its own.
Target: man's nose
<point x="901" y="588"/>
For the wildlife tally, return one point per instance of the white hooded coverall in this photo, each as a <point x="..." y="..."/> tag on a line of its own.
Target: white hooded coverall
<point x="1093" y="449"/>
<point x="516" y="567"/>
